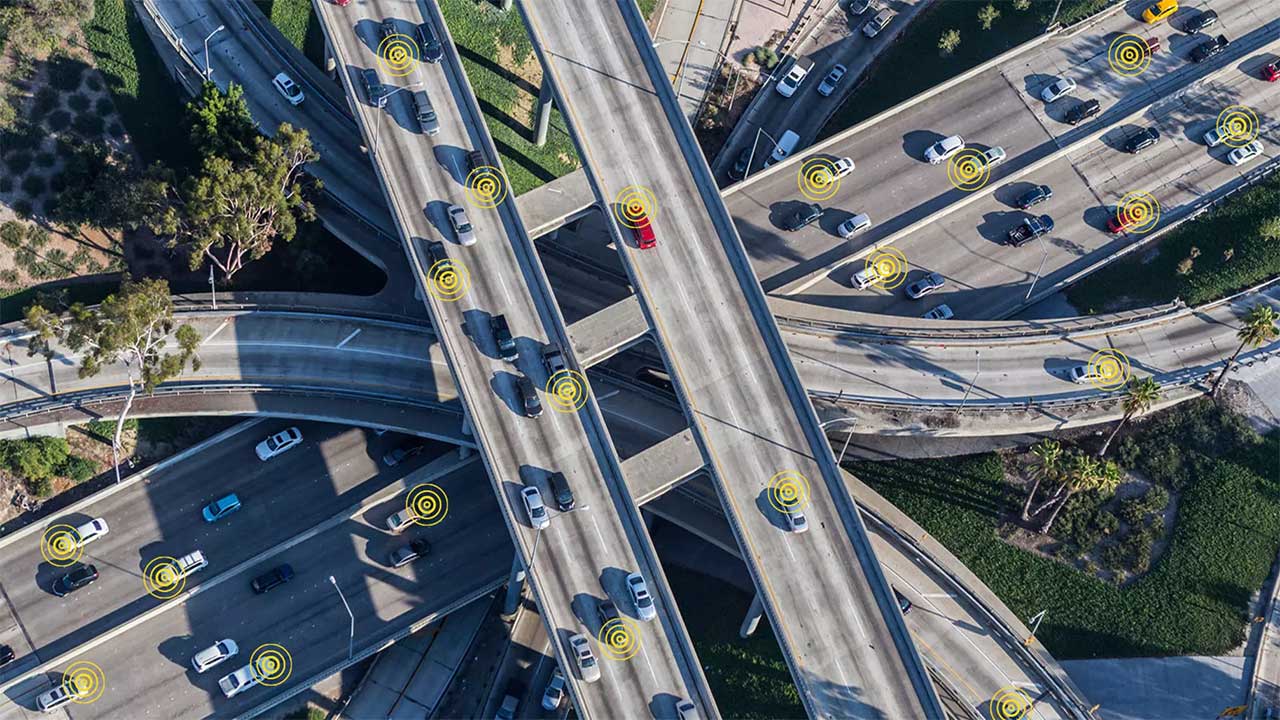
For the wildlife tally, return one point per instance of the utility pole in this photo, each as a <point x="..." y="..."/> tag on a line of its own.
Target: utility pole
<point x="208" y="72"/>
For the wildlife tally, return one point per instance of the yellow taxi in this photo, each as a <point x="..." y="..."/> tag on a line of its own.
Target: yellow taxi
<point x="1159" y="11"/>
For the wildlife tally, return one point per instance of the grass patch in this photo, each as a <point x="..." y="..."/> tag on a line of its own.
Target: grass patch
<point x="1194" y="601"/>
<point x="297" y="21"/>
<point x="12" y="306"/>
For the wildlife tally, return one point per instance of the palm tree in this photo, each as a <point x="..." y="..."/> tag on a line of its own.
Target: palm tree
<point x="1139" y="396"/>
<point x="1085" y="473"/>
<point x="1259" y="327"/>
<point x="1048" y="465"/>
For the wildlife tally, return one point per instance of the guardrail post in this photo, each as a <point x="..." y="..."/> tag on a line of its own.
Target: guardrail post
<point x="544" y="108"/>
<point x="752" y="620"/>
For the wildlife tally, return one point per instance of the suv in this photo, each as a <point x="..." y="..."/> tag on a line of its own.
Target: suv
<point x="640" y="597"/>
<point x="193" y="561"/>
<point x="799" y="71"/>
<point x="461" y="225"/>
<point x="79" y="576"/>
<point x="1201" y="21"/>
<point x="925" y="285"/>
<point x="431" y="48"/>
<point x="502" y="336"/>
<point x="607" y="610"/>
<point x="215" y="654"/>
<point x="806" y="215"/>
<point x="1034" y="196"/>
<point x="272" y="579"/>
<point x="388" y="28"/>
<point x="561" y="491"/>
<point x="643" y="232"/>
<point x="553" y="359"/>
<point x="436" y="252"/>
<point x="1083" y="111"/>
<point x="580" y="649"/>
<point x="373" y="88"/>
<point x="529" y="397"/>
<point x="1209" y="48"/>
<point x="238" y="681"/>
<point x="1142" y="140"/>
<point x="404" y="555"/>
<point x="877" y="23"/>
<point x="61" y="694"/>
<point x="425" y="112"/>
<point x="288" y="88"/>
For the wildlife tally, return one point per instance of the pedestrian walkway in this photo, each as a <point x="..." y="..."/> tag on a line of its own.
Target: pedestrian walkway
<point x="688" y="39"/>
<point x="1171" y="688"/>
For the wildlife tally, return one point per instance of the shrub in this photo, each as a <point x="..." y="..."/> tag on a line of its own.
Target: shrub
<point x="1113" y="557"/>
<point x="94" y="81"/>
<point x="76" y="469"/>
<point x="90" y="126"/>
<point x="103" y="106"/>
<point x="37" y="237"/>
<point x="34" y="458"/>
<point x="19" y="162"/>
<point x="8" y="278"/>
<point x="46" y="100"/>
<point x="78" y="102"/>
<point x="1021" y="5"/>
<point x="33" y="185"/>
<point x="949" y="41"/>
<point x="58" y="120"/>
<point x="13" y="234"/>
<point x="65" y="72"/>
<point x="987" y="16"/>
<point x="41" y="488"/>
<point x="116" y="129"/>
<point x="23" y="208"/>
<point x="767" y="57"/>
<point x="58" y="182"/>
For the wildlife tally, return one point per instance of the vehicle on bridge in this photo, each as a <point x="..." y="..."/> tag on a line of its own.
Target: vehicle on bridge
<point x="580" y="649"/>
<point x="221" y="507"/>
<point x="643" y="233"/>
<point x="64" y="692"/>
<point x="6" y="655"/>
<point x="425" y="113"/>
<point x="238" y="681"/>
<point x="1029" y="229"/>
<point x="925" y="285"/>
<point x="790" y="82"/>
<point x="374" y="90"/>
<point x="272" y="579"/>
<point x="214" y="655"/>
<point x="804" y="216"/>
<point x="686" y="710"/>
<point x="288" y="88"/>
<point x="1159" y="11"/>
<point x="786" y="145"/>
<point x="942" y="150"/>
<point x="1209" y="48"/>
<point x="1271" y="72"/>
<point x="553" y="359"/>
<point x="1244" y="154"/>
<point x="78" y="577"/>
<point x="415" y="550"/>
<point x="461" y="225"/>
<point x="878" y="23"/>
<point x="1142" y="140"/>
<point x="1120" y="221"/>
<point x="533" y="506"/>
<point x="942" y="312"/>
<point x="90" y="531"/>
<point x="640" y="597"/>
<point x="796" y="520"/>
<point x="1083" y="111"/>
<point x="279" y="443"/>
<point x="502" y="336"/>
<point x="432" y="51"/>
<point x="832" y="80"/>
<point x="554" y="694"/>
<point x="529" y="397"/>
<point x="1034" y="196"/>
<point x="854" y="225"/>
<point x="192" y="562"/>
<point x="1057" y="89"/>
<point x="1202" y="20"/>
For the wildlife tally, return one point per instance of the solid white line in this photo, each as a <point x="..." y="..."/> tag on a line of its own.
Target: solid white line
<point x="350" y="337"/>
<point x="216" y="330"/>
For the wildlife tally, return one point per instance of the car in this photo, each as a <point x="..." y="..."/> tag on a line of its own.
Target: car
<point x="502" y="337"/>
<point x="402" y="556"/>
<point x="215" y="655"/>
<point x="942" y="312"/>
<point x="432" y="51"/>
<point x="553" y="360"/>
<point x="1202" y="20"/>
<point x="536" y="510"/>
<point x="925" y="285"/>
<point x="1159" y="11"/>
<point x="1034" y="196"/>
<point x="436" y="252"/>
<point x="784" y="147"/>
<point x="388" y="28"/>
<point x="1153" y="45"/>
<point x="288" y="88"/>
<point x="806" y="215"/>
<point x="580" y="649"/>
<point x="1271" y="72"/>
<point x="1214" y="137"/>
<point x="272" y="579"/>
<point x="402" y="452"/>
<point x="944" y="149"/>
<point x="6" y="655"/>
<point x="1080" y="374"/>
<point x="790" y="82"/>
<point x="903" y="603"/>
<point x="475" y="161"/>
<point x="279" y="443"/>
<point x="796" y="521"/>
<point x="342" y="3"/>
<point x="1083" y="111"/>
<point x="854" y="225"/>
<point x="425" y="112"/>
<point x="1029" y="229"/>
<point x="64" y="692"/>
<point x="78" y="577"/>
<point x="645" y="609"/>
<point x="832" y="80"/>
<point x="529" y="397"/>
<point x="1120" y="221"/>
<point x="238" y="681"/>
<point x="192" y="562"/>
<point x="90" y="531"/>
<point x="561" y="491"/>
<point x="553" y="696"/>
<point x="1244" y="154"/>
<point x="877" y="23"/>
<point x="686" y="710"/>
<point x="373" y="88"/>
<point x="739" y="169"/>
<point x="1059" y="89"/>
<point x="993" y="156"/>
<point x="607" y="610"/>
<point x="866" y="277"/>
<point x="858" y="7"/>
<point x="461" y="225"/>
<point x="841" y="168"/>
<point x="1209" y="48"/>
<point x="1141" y="140"/>
<point x="643" y="232"/>
<point x="510" y="704"/>
<point x="655" y="377"/>
<point x="221" y="507"/>
<point x="401" y="520"/>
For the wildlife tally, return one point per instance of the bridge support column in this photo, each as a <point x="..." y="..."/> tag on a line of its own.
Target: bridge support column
<point x="463" y="450"/>
<point x="330" y="62"/>
<point x="515" y="584"/>
<point x="544" y="112"/>
<point x="752" y="620"/>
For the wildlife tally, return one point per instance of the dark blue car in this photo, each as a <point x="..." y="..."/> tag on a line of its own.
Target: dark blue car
<point x="1034" y="196"/>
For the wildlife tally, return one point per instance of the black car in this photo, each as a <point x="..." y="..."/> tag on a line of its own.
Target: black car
<point x="1142" y="140"/>
<point x="272" y="579"/>
<point x="806" y="215"/>
<point x="475" y="160"/>
<point x="402" y="452"/>
<point x="1083" y="111"/>
<point x="607" y="610"/>
<point x="562" y="492"/>
<point x="431" y="49"/>
<point x="79" y="576"/>
<point x="529" y="397"/>
<point x="419" y="548"/>
<point x="502" y="336"/>
<point x="1034" y="196"/>
<point x="436" y="251"/>
<point x="6" y="655"/>
<point x="1200" y="22"/>
<point x="373" y="88"/>
<point x="903" y="603"/>
<point x="1209" y="48"/>
<point x="739" y="168"/>
<point x="388" y="28"/>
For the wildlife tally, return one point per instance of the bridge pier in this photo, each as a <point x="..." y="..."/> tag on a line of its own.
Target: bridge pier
<point x="752" y="620"/>
<point x="515" y="584"/>
<point x="330" y="62"/>
<point x="544" y="107"/>
<point x="464" y="451"/>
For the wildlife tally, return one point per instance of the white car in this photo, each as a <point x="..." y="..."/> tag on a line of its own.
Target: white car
<point x="533" y="505"/>
<point x="461" y="225"/>
<point x="943" y="149"/>
<point x="640" y="597"/>
<point x="588" y="668"/>
<point x="1080" y="374"/>
<point x="554" y="694"/>
<point x="215" y="654"/>
<point x="1242" y="155"/>
<point x="796" y="521"/>
<point x="191" y="562"/>
<point x="877" y="23"/>
<point x="91" y="531"/>
<point x="1057" y="90"/>
<point x="842" y="167"/>
<point x="866" y="277"/>
<point x="400" y="520"/>
<point x="854" y="225"/>
<point x="942" y="312"/>
<point x="288" y="88"/>
<point x="686" y="710"/>
<point x="238" y="681"/>
<point x="61" y="694"/>
<point x="994" y="156"/>
<point x="1214" y="137"/>
<point x="791" y="81"/>
<point x="278" y="444"/>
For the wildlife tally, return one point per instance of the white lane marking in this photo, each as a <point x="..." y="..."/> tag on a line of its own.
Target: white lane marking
<point x="937" y="595"/>
<point x="350" y="337"/>
<point x="216" y="330"/>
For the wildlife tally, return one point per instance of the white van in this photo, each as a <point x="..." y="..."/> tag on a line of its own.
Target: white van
<point x="796" y="75"/>
<point x="866" y="277"/>
<point x="785" y="147"/>
<point x="191" y="562"/>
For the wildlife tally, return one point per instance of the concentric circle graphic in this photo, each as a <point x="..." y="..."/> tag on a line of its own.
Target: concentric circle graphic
<point x="1128" y="55"/>
<point x="619" y="639"/>
<point x="271" y="664"/>
<point x="1009" y="703"/>
<point x="486" y="187"/>
<point x="817" y="179"/>
<point x="162" y="577"/>
<point x="634" y="205"/>
<point x="85" y="681"/>
<point x="968" y="170"/>
<point x="1138" y="211"/>
<point x="398" y="55"/>
<point x="428" y="503"/>
<point x="1109" y="369"/>
<point x="448" y="280"/>
<point x="1237" y="125"/>
<point x="568" y="391"/>
<point x="60" y="546"/>
<point x="890" y="265"/>
<point x="788" y="491"/>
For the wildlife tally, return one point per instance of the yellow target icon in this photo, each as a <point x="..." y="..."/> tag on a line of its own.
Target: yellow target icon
<point x="1128" y="55"/>
<point x="1237" y="125"/>
<point x="888" y="267"/>
<point x="397" y="55"/>
<point x="1138" y="212"/>
<point x="428" y="504"/>
<point x="1109" y="369"/>
<point x="634" y="206"/>
<point x="788" y="491"/>
<point x="163" y="578"/>
<point x="486" y="187"/>
<point x="619" y="639"/>
<point x="568" y="391"/>
<point x="85" y="682"/>
<point x="817" y="179"/>
<point x="271" y="664"/>
<point x="1009" y="703"/>
<point x="448" y="280"/>
<point x="60" y="546"/>
<point x="968" y="170"/>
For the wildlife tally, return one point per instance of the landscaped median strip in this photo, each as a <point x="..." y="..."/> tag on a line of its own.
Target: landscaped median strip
<point x="432" y="470"/>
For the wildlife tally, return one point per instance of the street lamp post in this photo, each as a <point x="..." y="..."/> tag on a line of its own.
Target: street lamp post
<point x="852" y="422"/>
<point x="351" y="641"/>
<point x="752" y="157"/>
<point x="378" y="129"/>
<point x="972" y="382"/>
<point x="208" y="72"/>
<point x="1044" y="255"/>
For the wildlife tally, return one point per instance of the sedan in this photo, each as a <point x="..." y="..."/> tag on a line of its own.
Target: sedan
<point x="90" y="531"/>
<point x="806" y="215"/>
<point x="1242" y="155"/>
<point x="588" y="668"/>
<point x="1159" y="11"/>
<point x="214" y="655"/>
<point x="80" y="576"/>
<point x="1034" y="196"/>
<point x="796" y="521"/>
<point x="461" y="225"/>
<point x="554" y="694"/>
<point x="643" y="232"/>
<point x="278" y="444"/>
<point x="1271" y="72"/>
<point x="842" y="167"/>
<point x="645" y="608"/>
<point x="993" y="156"/>
<point x="400" y="557"/>
<point x="1057" y="89"/>
<point x="1214" y="137"/>
<point x="288" y="88"/>
<point x="925" y="285"/>
<point x="942" y="312"/>
<point x="832" y="80"/>
<point x="272" y="579"/>
<point x="221" y="508"/>
<point x="6" y="655"/>
<point x="534" y="506"/>
<point x="944" y="149"/>
<point x="1142" y="140"/>
<point x="400" y="453"/>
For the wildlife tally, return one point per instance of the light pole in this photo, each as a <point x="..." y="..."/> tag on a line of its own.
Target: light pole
<point x="208" y="73"/>
<point x="973" y="382"/>
<point x="752" y="157"/>
<point x="387" y="97"/>
<point x="213" y="289"/>
<point x="351" y="642"/>
<point x="847" y="438"/>
<point x="1044" y="255"/>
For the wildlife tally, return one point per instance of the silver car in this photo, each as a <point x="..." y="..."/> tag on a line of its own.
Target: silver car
<point x="640" y="597"/>
<point x="580" y="648"/>
<point x="461" y="225"/>
<point x="215" y="654"/>
<point x="925" y="285"/>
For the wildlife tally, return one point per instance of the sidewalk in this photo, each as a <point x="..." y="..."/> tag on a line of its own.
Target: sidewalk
<point x="688" y="40"/>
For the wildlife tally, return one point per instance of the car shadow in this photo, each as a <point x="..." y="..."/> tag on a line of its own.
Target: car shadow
<point x="505" y="388"/>
<point x="1034" y="83"/>
<point x="1117" y="137"/>
<point x="478" y="325"/>
<point x="995" y="226"/>
<point x="613" y="581"/>
<point x="454" y="160"/>
<point x="1097" y="216"/>
<point x="781" y="211"/>
<point x="916" y="142"/>
<point x="770" y="513"/>
<point x="1010" y="193"/>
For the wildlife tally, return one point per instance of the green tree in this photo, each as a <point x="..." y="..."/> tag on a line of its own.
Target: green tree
<point x="1259" y="327"/>
<point x="949" y="41"/>
<point x="1048" y="467"/>
<point x="988" y="15"/>
<point x="132" y="326"/>
<point x="1021" y="5"/>
<point x="104" y="189"/>
<point x="1083" y="472"/>
<point x="221" y="123"/>
<point x="1139" y="396"/>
